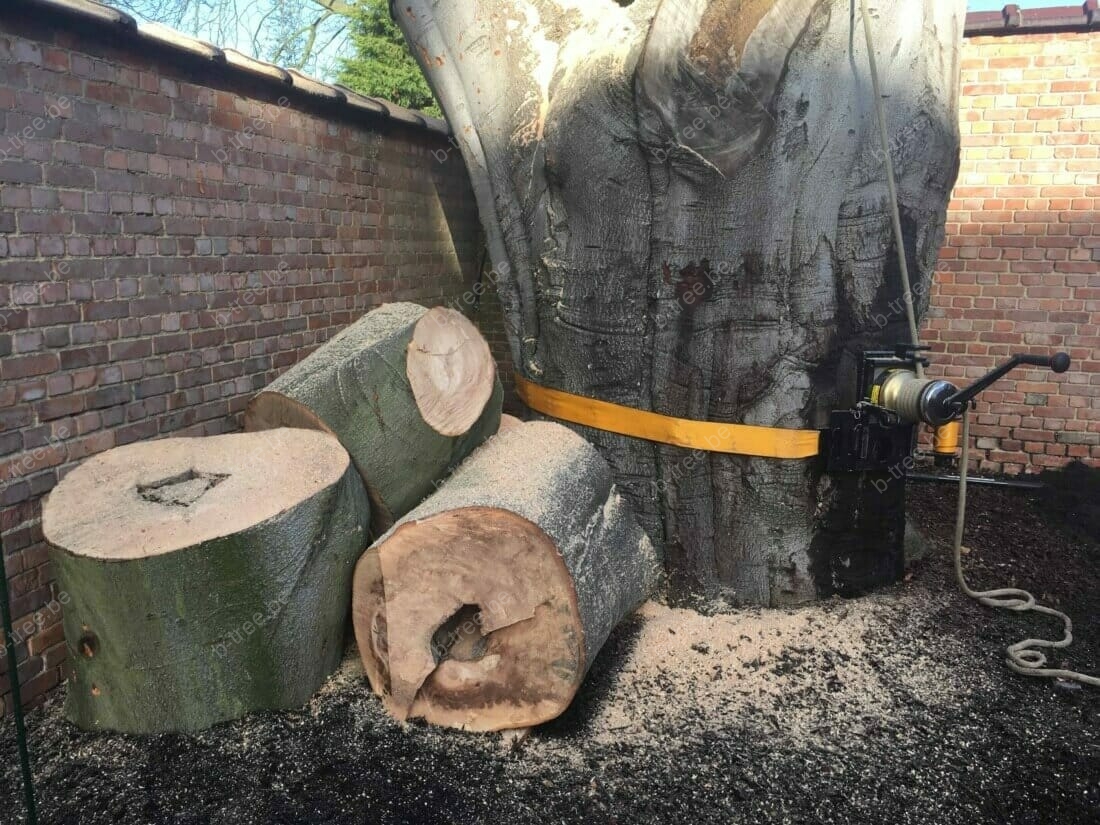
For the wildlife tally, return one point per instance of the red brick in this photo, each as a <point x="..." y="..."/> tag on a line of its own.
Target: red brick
<point x="47" y="637"/>
<point x="29" y="365"/>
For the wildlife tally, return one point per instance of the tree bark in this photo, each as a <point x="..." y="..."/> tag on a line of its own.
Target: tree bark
<point x="484" y="607"/>
<point x="409" y="392"/>
<point x="686" y="207"/>
<point x="204" y="578"/>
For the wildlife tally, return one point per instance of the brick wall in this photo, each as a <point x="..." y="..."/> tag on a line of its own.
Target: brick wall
<point x="1021" y="267"/>
<point x="171" y="237"/>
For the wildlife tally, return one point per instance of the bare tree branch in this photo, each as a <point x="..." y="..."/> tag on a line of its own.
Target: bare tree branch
<point x="296" y="33"/>
<point x="337" y="6"/>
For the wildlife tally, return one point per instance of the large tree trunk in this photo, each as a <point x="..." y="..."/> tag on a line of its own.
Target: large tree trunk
<point x="686" y="207"/>
<point x="409" y="392"/>
<point x="485" y="606"/>
<point x="204" y="577"/>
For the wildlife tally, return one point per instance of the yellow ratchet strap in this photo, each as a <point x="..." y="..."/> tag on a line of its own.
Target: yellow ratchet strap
<point x="712" y="436"/>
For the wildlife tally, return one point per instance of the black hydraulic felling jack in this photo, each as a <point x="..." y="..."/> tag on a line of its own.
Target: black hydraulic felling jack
<point x="879" y="432"/>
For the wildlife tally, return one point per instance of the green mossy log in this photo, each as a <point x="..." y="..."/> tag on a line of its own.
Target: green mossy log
<point x="204" y="577"/>
<point x="409" y="392"/>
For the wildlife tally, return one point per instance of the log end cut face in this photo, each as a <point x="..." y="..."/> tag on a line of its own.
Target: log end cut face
<point x="469" y="619"/>
<point x="450" y="370"/>
<point x="155" y="497"/>
<point x="509" y="422"/>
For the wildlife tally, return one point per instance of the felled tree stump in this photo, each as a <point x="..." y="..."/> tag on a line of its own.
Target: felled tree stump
<point x="409" y="392"/>
<point x="485" y="606"/>
<point x="207" y="577"/>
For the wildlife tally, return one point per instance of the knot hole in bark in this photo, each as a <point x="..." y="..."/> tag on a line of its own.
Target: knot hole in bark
<point x="460" y="637"/>
<point x="88" y="644"/>
<point x="694" y="285"/>
<point x="182" y="489"/>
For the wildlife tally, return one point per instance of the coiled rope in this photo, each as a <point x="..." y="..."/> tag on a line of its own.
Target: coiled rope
<point x="1023" y="657"/>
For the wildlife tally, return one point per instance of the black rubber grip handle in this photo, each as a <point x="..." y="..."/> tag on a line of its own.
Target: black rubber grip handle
<point x="1059" y="362"/>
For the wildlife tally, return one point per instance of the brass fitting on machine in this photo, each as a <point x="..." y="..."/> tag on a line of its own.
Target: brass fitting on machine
<point x="945" y="443"/>
<point x="936" y="402"/>
<point x="914" y="399"/>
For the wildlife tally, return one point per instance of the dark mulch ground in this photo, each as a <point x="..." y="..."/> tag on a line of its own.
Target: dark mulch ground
<point x="999" y="748"/>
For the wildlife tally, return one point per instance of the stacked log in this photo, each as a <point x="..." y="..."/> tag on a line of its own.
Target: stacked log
<point x="206" y="577"/>
<point x="409" y="392"/>
<point x="485" y="606"/>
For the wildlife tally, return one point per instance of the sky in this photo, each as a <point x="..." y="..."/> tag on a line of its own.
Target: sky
<point x="997" y="5"/>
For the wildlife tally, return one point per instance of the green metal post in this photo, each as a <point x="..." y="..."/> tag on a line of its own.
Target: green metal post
<point x="16" y="698"/>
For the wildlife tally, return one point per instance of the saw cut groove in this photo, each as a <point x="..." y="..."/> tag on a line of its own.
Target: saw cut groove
<point x="182" y="489"/>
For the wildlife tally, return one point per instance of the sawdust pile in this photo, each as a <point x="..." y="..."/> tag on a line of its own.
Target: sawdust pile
<point x="815" y="675"/>
<point x="819" y="676"/>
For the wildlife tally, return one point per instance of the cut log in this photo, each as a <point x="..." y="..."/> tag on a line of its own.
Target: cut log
<point x="409" y="392"/>
<point x="205" y="577"/>
<point x="507" y="422"/>
<point x="484" y="607"/>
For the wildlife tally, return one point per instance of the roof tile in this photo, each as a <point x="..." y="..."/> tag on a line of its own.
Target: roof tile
<point x="176" y="40"/>
<point x="168" y="38"/>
